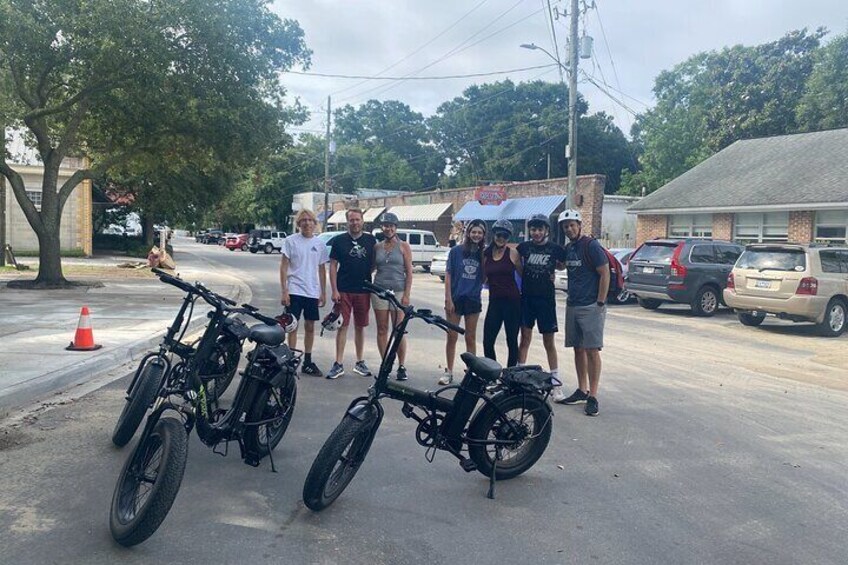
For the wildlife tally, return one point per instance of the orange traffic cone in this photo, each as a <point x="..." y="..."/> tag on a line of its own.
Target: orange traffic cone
<point x="84" y="338"/>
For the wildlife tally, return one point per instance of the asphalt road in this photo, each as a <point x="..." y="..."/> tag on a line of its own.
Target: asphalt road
<point x="716" y="443"/>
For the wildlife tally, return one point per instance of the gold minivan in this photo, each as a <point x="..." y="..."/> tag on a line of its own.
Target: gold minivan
<point x="802" y="283"/>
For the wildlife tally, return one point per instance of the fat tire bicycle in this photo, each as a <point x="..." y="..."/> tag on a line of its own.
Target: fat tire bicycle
<point x="258" y="418"/>
<point x="216" y="371"/>
<point x="503" y="437"/>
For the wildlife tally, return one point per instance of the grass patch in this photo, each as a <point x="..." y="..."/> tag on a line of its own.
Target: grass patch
<point x="63" y="253"/>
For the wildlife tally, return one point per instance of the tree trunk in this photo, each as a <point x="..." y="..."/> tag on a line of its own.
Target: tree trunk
<point x="147" y="229"/>
<point x="50" y="258"/>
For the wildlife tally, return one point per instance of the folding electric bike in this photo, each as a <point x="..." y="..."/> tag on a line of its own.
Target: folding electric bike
<point x="257" y="419"/>
<point x="506" y="435"/>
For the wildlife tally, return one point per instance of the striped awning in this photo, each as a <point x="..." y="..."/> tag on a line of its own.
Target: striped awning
<point x="338" y="217"/>
<point x="421" y="213"/>
<point x="511" y="209"/>
<point x="371" y="214"/>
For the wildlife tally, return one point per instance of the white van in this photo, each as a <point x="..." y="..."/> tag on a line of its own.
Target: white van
<point x="422" y="243"/>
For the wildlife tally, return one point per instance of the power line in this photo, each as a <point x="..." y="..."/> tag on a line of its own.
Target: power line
<point x="444" y="77"/>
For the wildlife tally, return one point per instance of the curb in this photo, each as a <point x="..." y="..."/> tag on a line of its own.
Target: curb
<point x="86" y="370"/>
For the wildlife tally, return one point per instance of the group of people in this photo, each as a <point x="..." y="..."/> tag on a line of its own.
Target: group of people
<point x="520" y="280"/>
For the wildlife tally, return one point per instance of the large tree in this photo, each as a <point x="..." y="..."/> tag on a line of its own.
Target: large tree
<point x="825" y="101"/>
<point x="715" y="98"/>
<point x="139" y="81"/>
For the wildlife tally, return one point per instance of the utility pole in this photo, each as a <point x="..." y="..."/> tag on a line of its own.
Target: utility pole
<point x="571" y="152"/>
<point x="3" y="204"/>
<point x="327" y="170"/>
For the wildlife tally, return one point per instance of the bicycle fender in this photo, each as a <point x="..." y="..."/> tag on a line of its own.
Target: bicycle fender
<point x="359" y="411"/>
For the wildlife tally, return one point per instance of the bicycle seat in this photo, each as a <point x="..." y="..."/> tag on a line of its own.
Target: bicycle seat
<point x="483" y="367"/>
<point x="267" y="335"/>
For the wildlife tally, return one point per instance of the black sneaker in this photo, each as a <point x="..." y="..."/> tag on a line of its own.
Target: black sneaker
<point x="401" y="373"/>
<point x="311" y="369"/>
<point x="577" y="396"/>
<point x="591" y="406"/>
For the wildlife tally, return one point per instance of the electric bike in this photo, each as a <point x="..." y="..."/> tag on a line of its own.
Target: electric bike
<point x="501" y="438"/>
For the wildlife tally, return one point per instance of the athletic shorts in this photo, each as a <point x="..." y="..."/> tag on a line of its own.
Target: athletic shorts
<point x="465" y="306"/>
<point x="357" y="303"/>
<point x="303" y="305"/>
<point x="378" y="303"/>
<point x="584" y="326"/>
<point x="540" y="311"/>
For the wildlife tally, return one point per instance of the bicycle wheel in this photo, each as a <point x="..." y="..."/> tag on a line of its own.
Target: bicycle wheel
<point x="530" y="415"/>
<point x="223" y="364"/>
<point x="276" y="405"/>
<point x="149" y="483"/>
<point x="141" y="397"/>
<point x="337" y="462"/>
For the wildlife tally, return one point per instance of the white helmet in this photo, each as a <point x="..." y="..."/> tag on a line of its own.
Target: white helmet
<point x="570" y="215"/>
<point x="287" y="321"/>
<point x="332" y="321"/>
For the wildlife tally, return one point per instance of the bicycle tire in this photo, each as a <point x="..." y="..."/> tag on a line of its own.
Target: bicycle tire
<point x="132" y="522"/>
<point x="227" y="355"/>
<point x="487" y="425"/>
<point x="146" y="388"/>
<point x="262" y="439"/>
<point x="350" y="436"/>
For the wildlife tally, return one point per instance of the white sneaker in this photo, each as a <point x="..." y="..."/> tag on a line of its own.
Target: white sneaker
<point x="557" y="394"/>
<point x="446" y="379"/>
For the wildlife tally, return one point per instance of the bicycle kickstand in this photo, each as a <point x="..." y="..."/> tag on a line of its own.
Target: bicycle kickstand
<point x="491" y="493"/>
<point x="271" y="457"/>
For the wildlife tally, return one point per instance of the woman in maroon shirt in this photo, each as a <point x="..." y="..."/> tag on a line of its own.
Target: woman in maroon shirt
<point x="500" y="265"/>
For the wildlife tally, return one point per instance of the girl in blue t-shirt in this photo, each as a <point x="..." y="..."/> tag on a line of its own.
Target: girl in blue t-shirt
<point x="463" y="283"/>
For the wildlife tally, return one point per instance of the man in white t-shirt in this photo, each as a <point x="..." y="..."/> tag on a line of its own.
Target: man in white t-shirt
<point x="303" y="280"/>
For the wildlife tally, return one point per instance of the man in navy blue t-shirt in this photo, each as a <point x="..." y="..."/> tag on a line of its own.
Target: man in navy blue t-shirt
<point x="585" y="310"/>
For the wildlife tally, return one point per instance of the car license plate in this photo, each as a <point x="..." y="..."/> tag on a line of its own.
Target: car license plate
<point x="648" y="270"/>
<point x="763" y="284"/>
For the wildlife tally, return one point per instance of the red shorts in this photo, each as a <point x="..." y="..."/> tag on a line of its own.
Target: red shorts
<point x="359" y="303"/>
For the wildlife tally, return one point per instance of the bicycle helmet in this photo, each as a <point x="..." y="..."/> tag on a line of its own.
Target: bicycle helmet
<point x="287" y="321"/>
<point x="389" y="218"/>
<point x="539" y="220"/>
<point x="332" y="321"/>
<point x="502" y="225"/>
<point x="570" y="215"/>
<point x="475" y="223"/>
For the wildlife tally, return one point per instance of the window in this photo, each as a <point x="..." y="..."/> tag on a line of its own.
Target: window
<point x="35" y="198"/>
<point x="415" y="239"/>
<point x="727" y="254"/>
<point x="691" y="225"/>
<point x="831" y="226"/>
<point x="831" y="261"/>
<point x="401" y="235"/>
<point x="429" y="239"/>
<point x="702" y="254"/>
<point x="759" y="228"/>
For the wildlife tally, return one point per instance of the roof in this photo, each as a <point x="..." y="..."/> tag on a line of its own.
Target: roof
<point x="510" y="209"/>
<point x="788" y="172"/>
<point x="422" y="213"/>
<point x="338" y="217"/>
<point x="371" y="214"/>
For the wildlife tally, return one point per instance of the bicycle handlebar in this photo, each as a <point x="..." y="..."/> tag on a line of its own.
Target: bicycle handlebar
<point x="425" y="315"/>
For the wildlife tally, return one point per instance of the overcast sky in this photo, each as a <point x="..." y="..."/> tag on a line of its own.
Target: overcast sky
<point x="643" y="38"/>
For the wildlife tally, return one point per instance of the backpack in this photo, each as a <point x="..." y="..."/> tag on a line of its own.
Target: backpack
<point x="616" y="284"/>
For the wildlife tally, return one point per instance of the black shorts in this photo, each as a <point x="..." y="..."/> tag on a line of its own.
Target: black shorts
<point x="541" y="311"/>
<point x="302" y="304"/>
<point x="467" y="306"/>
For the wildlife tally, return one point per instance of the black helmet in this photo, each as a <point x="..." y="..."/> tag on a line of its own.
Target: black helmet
<point x="502" y="225"/>
<point x="539" y="219"/>
<point x="389" y="218"/>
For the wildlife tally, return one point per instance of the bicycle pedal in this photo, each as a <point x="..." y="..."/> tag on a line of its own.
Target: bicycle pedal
<point x="467" y="465"/>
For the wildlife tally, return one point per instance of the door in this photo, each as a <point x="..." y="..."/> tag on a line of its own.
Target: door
<point x="415" y="244"/>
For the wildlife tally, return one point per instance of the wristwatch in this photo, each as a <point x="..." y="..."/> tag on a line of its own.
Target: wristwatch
<point x="601" y="304"/>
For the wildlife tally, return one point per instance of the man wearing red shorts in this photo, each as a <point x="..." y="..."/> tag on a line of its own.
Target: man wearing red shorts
<point x="351" y="257"/>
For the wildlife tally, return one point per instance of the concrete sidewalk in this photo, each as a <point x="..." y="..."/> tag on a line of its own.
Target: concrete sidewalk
<point x="129" y="317"/>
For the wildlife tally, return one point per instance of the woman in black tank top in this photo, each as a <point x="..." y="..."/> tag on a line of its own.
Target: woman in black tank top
<point x="501" y="263"/>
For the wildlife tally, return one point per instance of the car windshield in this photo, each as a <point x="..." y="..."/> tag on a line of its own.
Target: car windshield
<point x="655" y="253"/>
<point x="773" y="260"/>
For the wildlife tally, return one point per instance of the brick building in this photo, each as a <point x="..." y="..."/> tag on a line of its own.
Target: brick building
<point x="788" y="188"/>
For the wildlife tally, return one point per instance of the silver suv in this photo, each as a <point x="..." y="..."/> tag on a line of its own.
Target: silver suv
<point x="802" y="283"/>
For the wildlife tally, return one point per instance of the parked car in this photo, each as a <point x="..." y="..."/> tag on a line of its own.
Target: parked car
<point x="327" y="236"/>
<point x="237" y="242"/>
<point x="213" y="237"/>
<point x="438" y="265"/>
<point x="623" y="255"/>
<point x="689" y="271"/>
<point x="793" y="282"/>
<point x="266" y="240"/>
<point x="422" y="243"/>
<point x="198" y="236"/>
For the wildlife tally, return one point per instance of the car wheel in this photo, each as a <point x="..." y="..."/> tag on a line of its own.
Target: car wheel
<point x="649" y="303"/>
<point x="243" y="247"/>
<point x="834" y="319"/>
<point x="441" y="278"/>
<point x="253" y="250"/>
<point x="749" y="319"/>
<point x="706" y="302"/>
<point x="426" y="268"/>
<point x="268" y="249"/>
